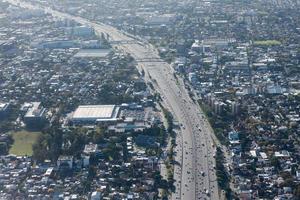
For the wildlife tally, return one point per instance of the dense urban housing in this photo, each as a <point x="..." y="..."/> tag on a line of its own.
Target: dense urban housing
<point x="136" y="99"/>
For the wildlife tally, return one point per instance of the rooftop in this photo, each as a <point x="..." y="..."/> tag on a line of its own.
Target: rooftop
<point x="3" y="105"/>
<point x="35" y="110"/>
<point x="92" y="53"/>
<point x="95" y="112"/>
<point x="90" y="148"/>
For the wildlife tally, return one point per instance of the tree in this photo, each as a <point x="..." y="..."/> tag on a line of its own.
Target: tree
<point x="275" y="163"/>
<point x="40" y="149"/>
<point x="112" y="151"/>
<point x="98" y="135"/>
<point x="297" y="192"/>
<point x="3" y="148"/>
<point x="48" y="145"/>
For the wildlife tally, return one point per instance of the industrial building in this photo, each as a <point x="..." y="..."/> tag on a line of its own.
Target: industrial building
<point x="92" y="53"/>
<point x="82" y="31"/>
<point x="91" y="114"/>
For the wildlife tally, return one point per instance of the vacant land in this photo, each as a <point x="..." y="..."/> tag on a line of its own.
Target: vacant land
<point x="23" y="141"/>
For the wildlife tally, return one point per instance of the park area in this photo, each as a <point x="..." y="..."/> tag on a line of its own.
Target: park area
<point x="23" y="141"/>
<point x="267" y="43"/>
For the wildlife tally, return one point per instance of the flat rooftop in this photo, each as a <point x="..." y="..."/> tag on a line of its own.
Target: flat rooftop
<point x="2" y="105"/>
<point x="35" y="110"/>
<point x="94" y="112"/>
<point x="92" y="53"/>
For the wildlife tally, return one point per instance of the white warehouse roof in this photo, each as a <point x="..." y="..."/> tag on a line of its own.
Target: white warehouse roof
<point x="95" y="112"/>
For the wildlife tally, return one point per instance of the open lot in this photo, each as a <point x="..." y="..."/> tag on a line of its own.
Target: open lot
<point x="23" y="141"/>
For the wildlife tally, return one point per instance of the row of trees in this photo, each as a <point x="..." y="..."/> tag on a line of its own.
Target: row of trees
<point x="222" y="175"/>
<point x="55" y="141"/>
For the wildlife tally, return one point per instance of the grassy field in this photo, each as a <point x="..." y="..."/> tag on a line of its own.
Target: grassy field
<point x="267" y="43"/>
<point x="23" y="141"/>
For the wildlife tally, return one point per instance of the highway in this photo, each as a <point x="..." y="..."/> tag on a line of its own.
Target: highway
<point x="195" y="177"/>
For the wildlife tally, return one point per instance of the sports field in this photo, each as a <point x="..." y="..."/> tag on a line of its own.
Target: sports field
<point x="23" y="141"/>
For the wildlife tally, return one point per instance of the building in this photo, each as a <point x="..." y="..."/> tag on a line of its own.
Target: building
<point x="235" y="107"/>
<point x="49" y="172"/>
<point x="56" y="44"/>
<point x="65" y="162"/>
<point x="96" y="195"/>
<point x="91" y="44"/>
<point x="85" y="160"/>
<point x="147" y="162"/>
<point x="159" y="20"/>
<point x="199" y="47"/>
<point x="35" y="115"/>
<point x="90" y="149"/>
<point x="236" y="67"/>
<point x="123" y="127"/>
<point x="82" y="31"/>
<point x="92" y="114"/>
<point x="218" y="107"/>
<point x="192" y="78"/>
<point x="233" y="137"/>
<point x="146" y="141"/>
<point x="92" y="53"/>
<point x="4" y="109"/>
<point x="218" y="43"/>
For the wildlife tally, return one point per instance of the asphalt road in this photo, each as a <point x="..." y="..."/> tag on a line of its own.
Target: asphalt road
<point x="196" y="176"/>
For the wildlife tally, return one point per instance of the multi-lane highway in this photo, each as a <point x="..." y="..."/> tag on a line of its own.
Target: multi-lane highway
<point x="195" y="177"/>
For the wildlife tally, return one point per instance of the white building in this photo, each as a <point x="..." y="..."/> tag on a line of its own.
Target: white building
<point x="91" y="114"/>
<point x="192" y="78"/>
<point x="93" y="44"/>
<point x="157" y="20"/>
<point x="86" y="160"/>
<point x="4" y="107"/>
<point x="96" y="195"/>
<point x="83" y="31"/>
